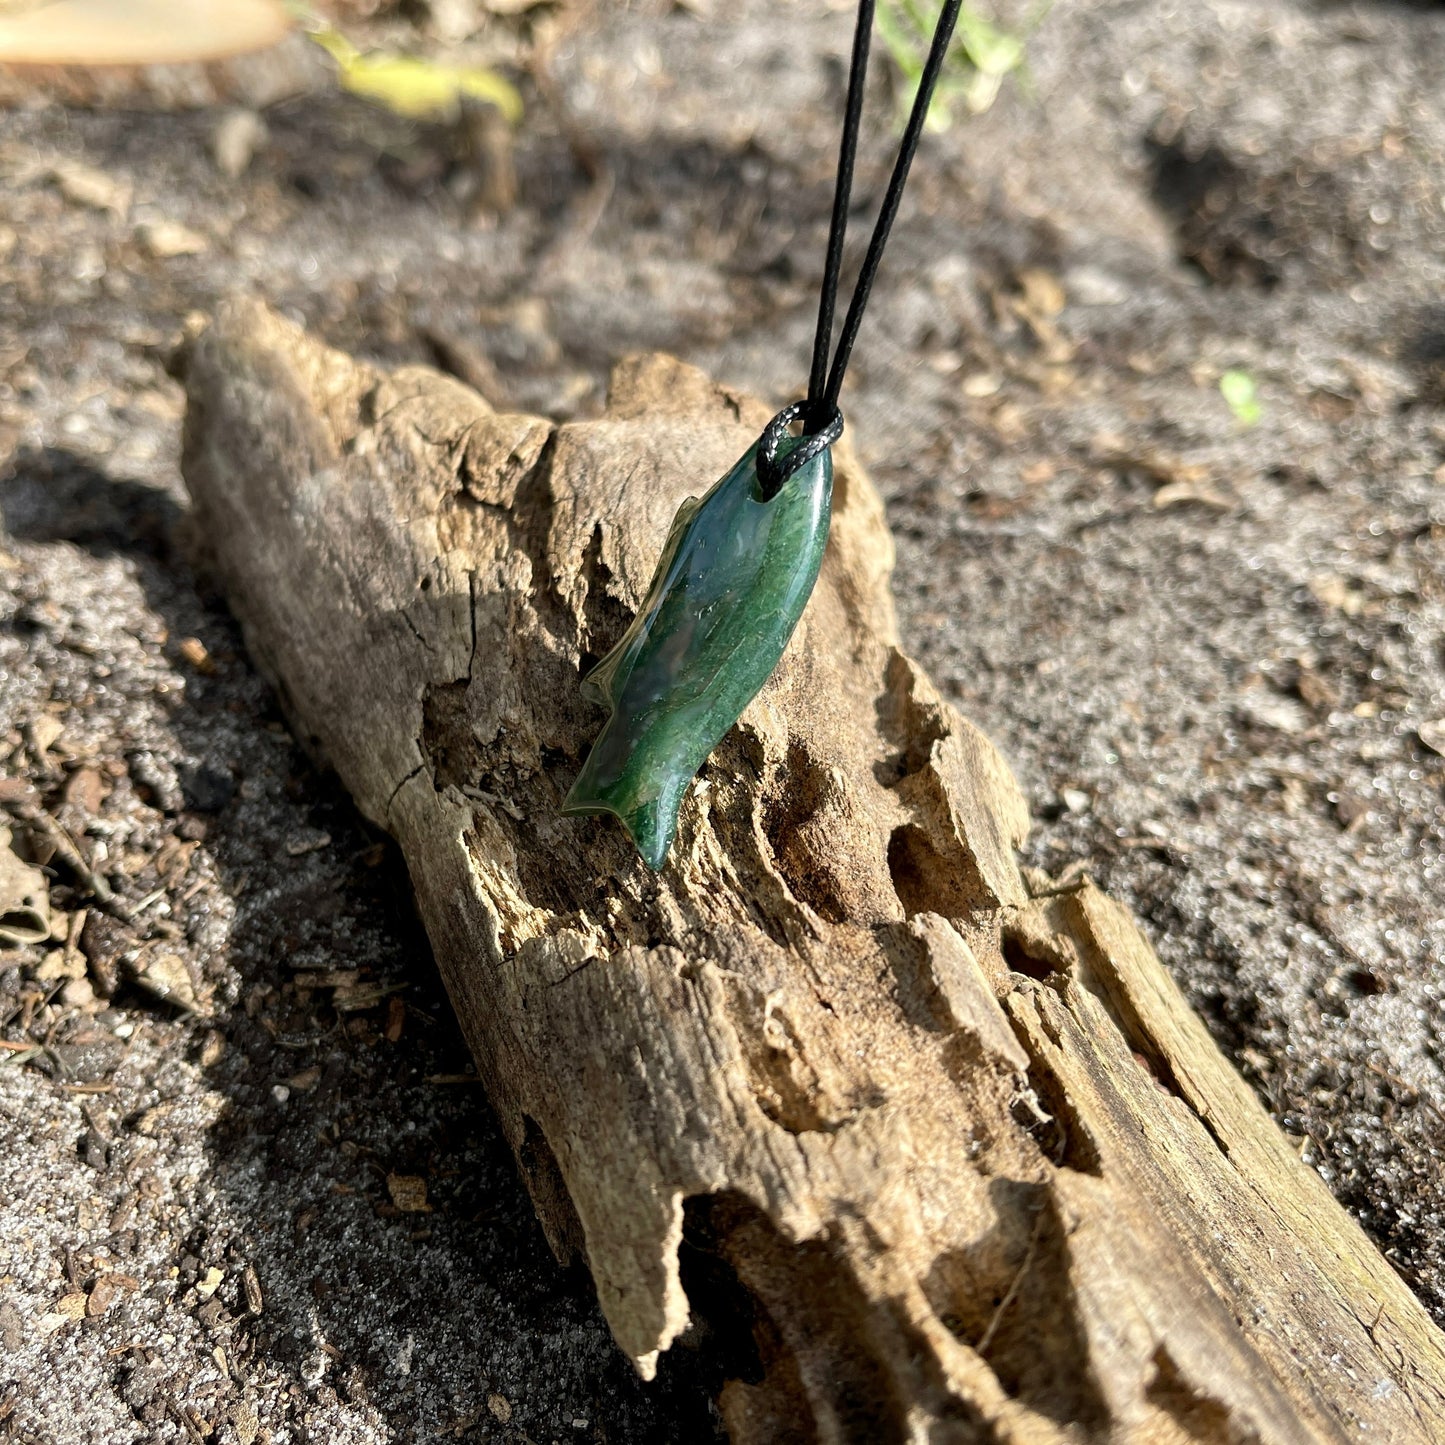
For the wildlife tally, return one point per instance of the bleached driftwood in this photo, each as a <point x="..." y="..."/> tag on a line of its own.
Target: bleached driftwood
<point x="935" y="1146"/>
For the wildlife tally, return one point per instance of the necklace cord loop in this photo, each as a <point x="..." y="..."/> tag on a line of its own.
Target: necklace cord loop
<point x="775" y="469"/>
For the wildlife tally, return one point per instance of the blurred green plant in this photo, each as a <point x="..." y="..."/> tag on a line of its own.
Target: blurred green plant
<point x="1241" y="396"/>
<point x="411" y="85"/>
<point x="982" y="54"/>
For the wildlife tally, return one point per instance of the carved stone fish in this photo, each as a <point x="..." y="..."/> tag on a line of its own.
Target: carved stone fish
<point x="733" y="579"/>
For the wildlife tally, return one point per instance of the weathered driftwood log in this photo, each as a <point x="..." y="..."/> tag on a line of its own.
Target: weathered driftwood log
<point x="935" y="1148"/>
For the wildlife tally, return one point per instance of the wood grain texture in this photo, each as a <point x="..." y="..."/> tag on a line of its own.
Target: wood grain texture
<point x="931" y="1148"/>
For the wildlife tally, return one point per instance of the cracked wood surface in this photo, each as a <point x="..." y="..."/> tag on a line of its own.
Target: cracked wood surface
<point x="923" y="1147"/>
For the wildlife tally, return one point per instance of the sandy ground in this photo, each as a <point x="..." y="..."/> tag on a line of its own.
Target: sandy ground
<point x="246" y="1191"/>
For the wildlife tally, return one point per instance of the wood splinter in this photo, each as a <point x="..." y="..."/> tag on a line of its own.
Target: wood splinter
<point x="933" y="1144"/>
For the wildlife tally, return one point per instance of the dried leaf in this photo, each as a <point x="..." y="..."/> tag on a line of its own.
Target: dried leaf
<point x="416" y="87"/>
<point x="1174" y="494"/>
<point x="252" y="1287"/>
<point x="24" y="898"/>
<point x="196" y="1110"/>
<point x="395" y="1019"/>
<point x="363" y="996"/>
<point x="247" y="1422"/>
<point x="194" y="651"/>
<point x="165" y="975"/>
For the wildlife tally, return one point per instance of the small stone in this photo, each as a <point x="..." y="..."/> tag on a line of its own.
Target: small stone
<point x="1043" y="293"/>
<point x="71" y="1306"/>
<point x="1281" y="714"/>
<point x="42" y="735"/>
<point x="1432" y="734"/>
<point x="78" y="994"/>
<point x="57" y="964"/>
<point x="87" y="186"/>
<point x="85" y="791"/>
<point x="239" y="134"/>
<point x="280" y="1093"/>
<point x="166" y="239"/>
<point x="1093" y="286"/>
<point x="500" y="1406"/>
<point x="106" y="1290"/>
<point x="209" y="1283"/>
<point x="307" y="840"/>
<point x="1315" y="690"/>
<point x="1334" y="591"/>
<point x="1076" y="800"/>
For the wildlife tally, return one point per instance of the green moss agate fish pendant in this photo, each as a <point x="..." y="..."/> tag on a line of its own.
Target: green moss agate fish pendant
<point x="735" y="573"/>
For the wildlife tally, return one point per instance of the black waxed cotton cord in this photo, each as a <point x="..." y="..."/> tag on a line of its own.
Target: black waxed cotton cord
<point x="842" y="192"/>
<point x="821" y="420"/>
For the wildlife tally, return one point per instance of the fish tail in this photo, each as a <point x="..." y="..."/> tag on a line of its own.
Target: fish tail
<point x="650" y="818"/>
